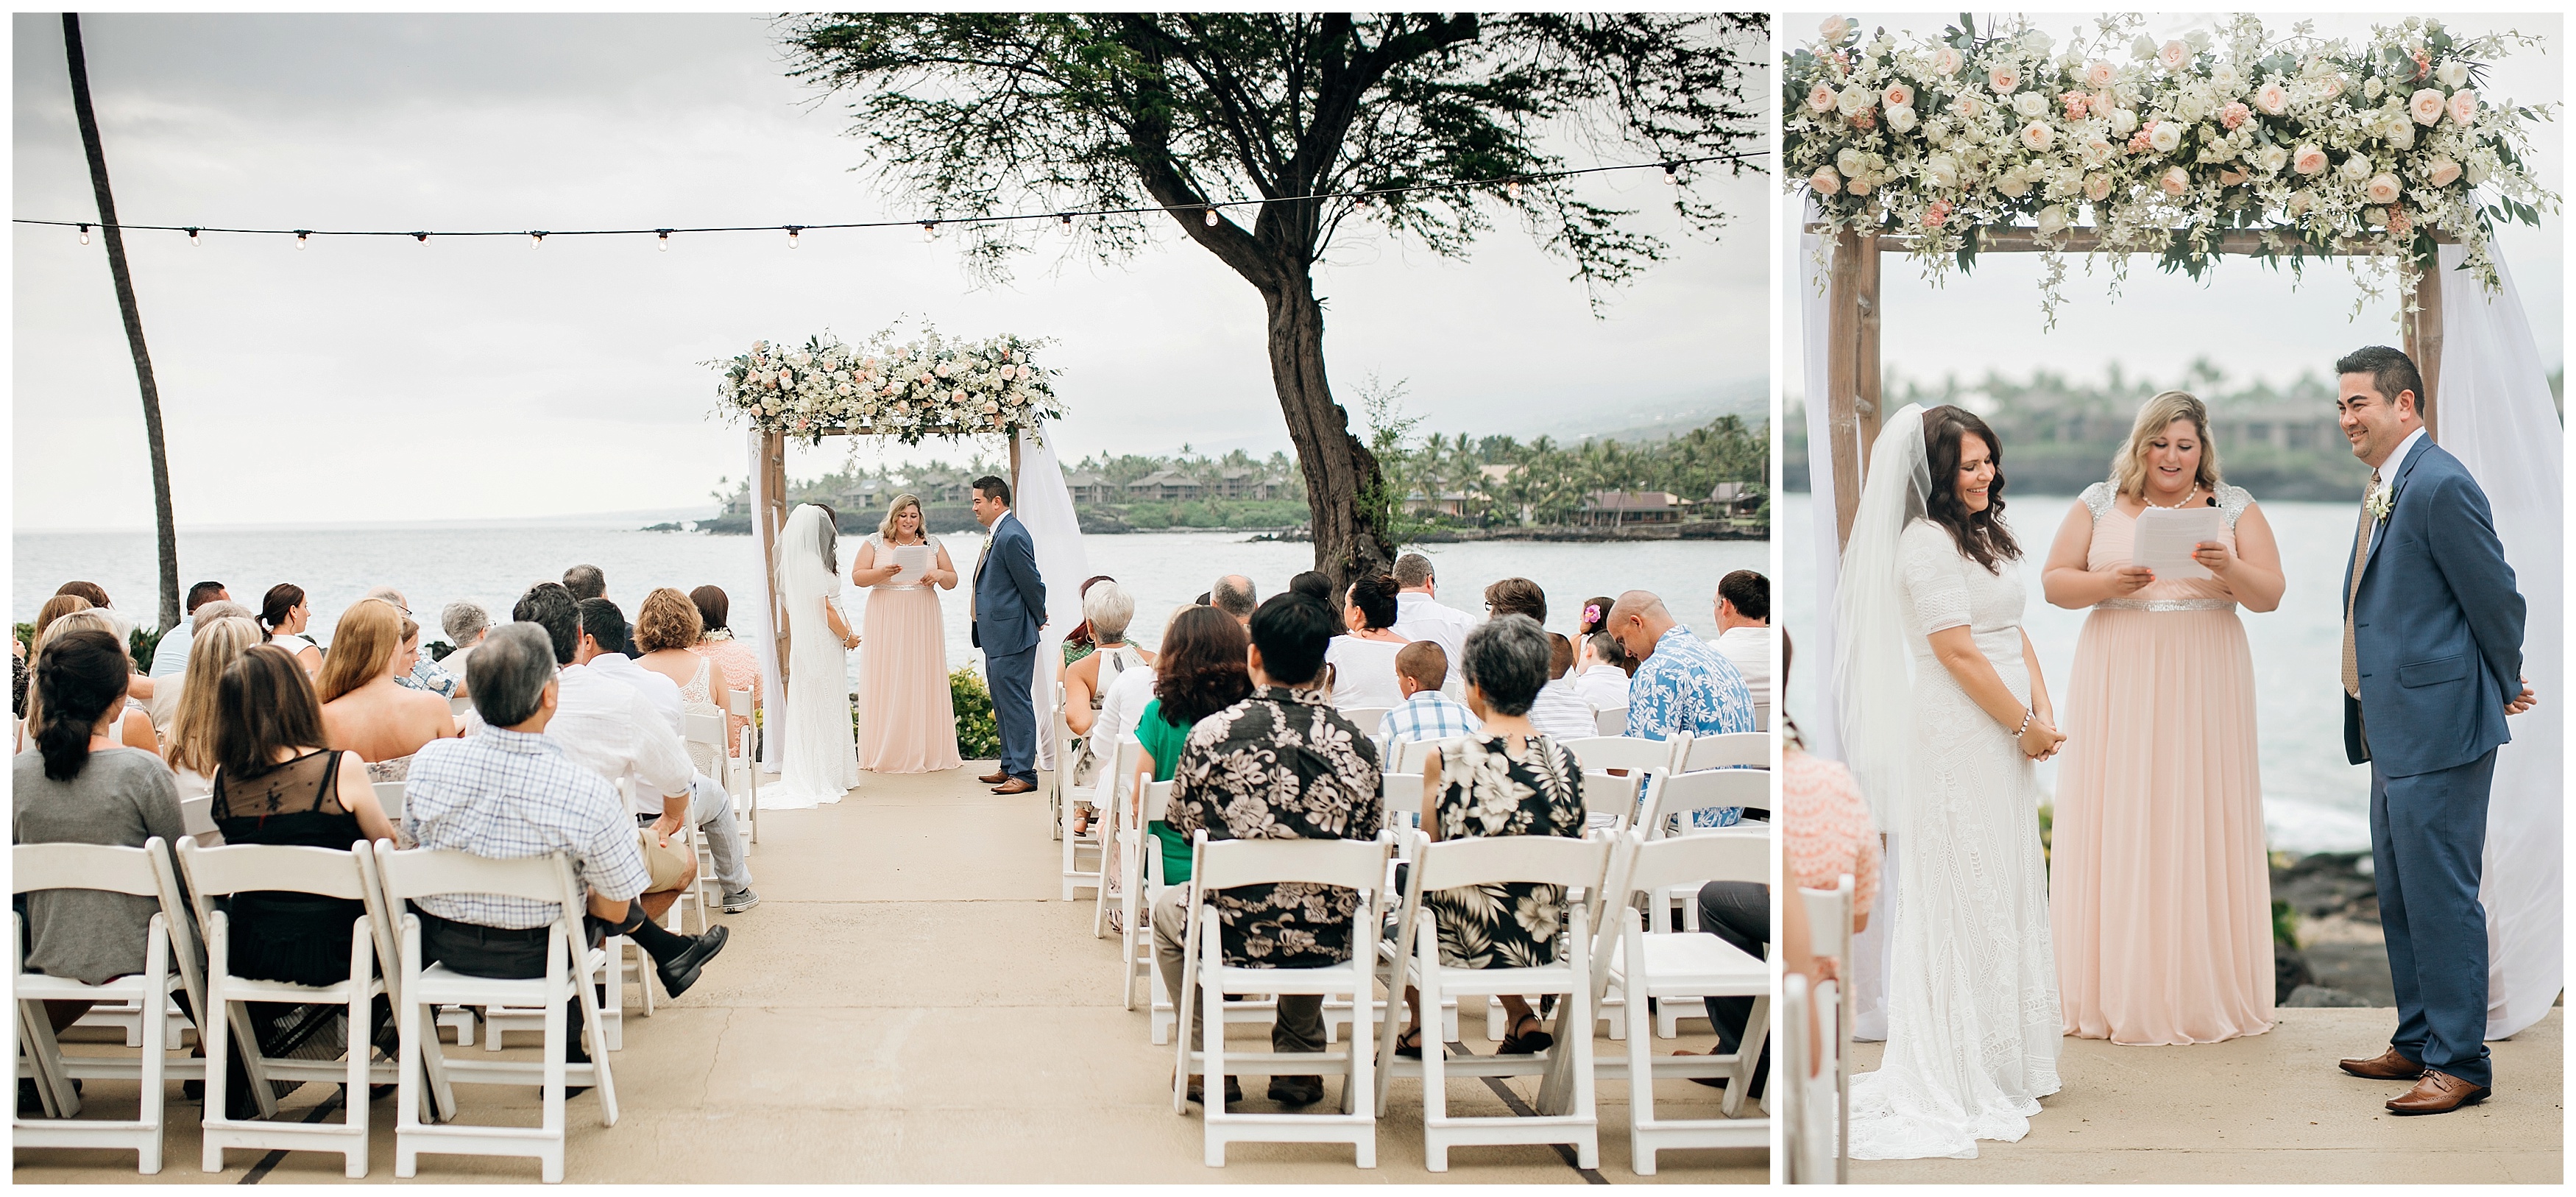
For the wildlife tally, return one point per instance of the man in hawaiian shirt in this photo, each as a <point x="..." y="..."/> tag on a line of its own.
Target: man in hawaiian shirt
<point x="1281" y="764"/>
<point x="1684" y="684"/>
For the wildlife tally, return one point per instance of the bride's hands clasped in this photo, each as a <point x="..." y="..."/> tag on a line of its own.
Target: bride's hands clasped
<point x="2041" y="739"/>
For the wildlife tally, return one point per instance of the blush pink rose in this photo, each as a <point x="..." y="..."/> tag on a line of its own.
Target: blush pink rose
<point x="1967" y="106"/>
<point x="1946" y="61"/>
<point x="2003" y="79"/>
<point x="1825" y="181"/>
<point x="2308" y="159"/>
<point x="1821" y="98"/>
<point x="2175" y="180"/>
<point x="2442" y="172"/>
<point x="2333" y="86"/>
<point x="2173" y="55"/>
<point x="2382" y="189"/>
<point x="1896" y="95"/>
<point x="2426" y="106"/>
<point x="1859" y="186"/>
<point x="2097" y="187"/>
<point x="2098" y="74"/>
<point x="2464" y="106"/>
<point x="2272" y="98"/>
<point x="2234" y="114"/>
<point x="2037" y="136"/>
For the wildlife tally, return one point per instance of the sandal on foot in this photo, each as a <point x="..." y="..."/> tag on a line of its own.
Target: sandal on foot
<point x="1409" y="1044"/>
<point x="1523" y="1044"/>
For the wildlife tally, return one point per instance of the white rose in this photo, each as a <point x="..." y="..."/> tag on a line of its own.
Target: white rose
<point x="2376" y="218"/>
<point x="2371" y="89"/>
<point x="2164" y="136"/>
<point x="2356" y="168"/>
<point x="2028" y="105"/>
<point x="2123" y="122"/>
<point x="2301" y="201"/>
<point x="1946" y="61"/>
<point x="2035" y="43"/>
<point x="2382" y="189"/>
<point x="2143" y="47"/>
<point x="2173" y="55"/>
<point x="2098" y="74"/>
<point x="2401" y="133"/>
<point x="2037" y="136"/>
<point x="1900" y="119"/>
<point x="2198" y="39"/>
<point x="1943" y="170"/>
<point x="2452" y="73"/>
<point x="2052" y="220"/>
<point x="2002" y="78"/>
<point x="2426" y="106"/>
<point x="840" y="388"/>
<point x="1850" y="163"/>
<point x="1835" y="29"/>
<point x="2098" y="150"/>
<point x="800" y="359"/>
<point x="2013" y="185"/>
<point x="2271" y="158"/>
<point x="1854" y="100"/>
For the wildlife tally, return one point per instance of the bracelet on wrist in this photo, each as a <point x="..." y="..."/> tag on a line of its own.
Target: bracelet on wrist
<point x="2027" y="715"/>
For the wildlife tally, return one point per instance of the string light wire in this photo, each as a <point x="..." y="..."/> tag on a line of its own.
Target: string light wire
<point x="1511" y="185"/>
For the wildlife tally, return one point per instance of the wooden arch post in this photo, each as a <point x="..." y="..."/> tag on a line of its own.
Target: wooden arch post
<point x="1852" y="368"/>
<point x="772" y="517"/>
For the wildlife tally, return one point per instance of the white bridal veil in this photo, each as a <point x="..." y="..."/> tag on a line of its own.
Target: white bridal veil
<point x="1872" y="690"/>
<point x="805" y="549"/>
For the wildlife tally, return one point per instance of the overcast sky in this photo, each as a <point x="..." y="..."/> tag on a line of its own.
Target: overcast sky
<point x="361" y="380"/>
<point x="2251" y="320"/>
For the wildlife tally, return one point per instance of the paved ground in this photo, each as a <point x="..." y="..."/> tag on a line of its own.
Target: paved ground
<point x="912" y="1003"/>
<point x="2269" y="1108"/>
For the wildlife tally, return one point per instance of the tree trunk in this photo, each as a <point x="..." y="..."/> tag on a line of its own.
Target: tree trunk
<point x="115" y="238"/>
<point x="1339" y="470"/>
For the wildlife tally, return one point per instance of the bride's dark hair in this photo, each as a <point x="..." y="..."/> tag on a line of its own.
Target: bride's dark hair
<point x="831" y="537"/>
<point x="1979" y="534"/>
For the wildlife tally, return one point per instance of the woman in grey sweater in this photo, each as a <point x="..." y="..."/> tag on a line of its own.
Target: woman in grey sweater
<point x="79" y="785"/>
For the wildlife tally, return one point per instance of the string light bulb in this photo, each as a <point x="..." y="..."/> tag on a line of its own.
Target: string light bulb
<point x="1513" y="189"/>
<point x="536" y="239"/>
<point x="1672" y="175"/>
<point x="192" y="235"/>
<point x="423" y="238"/>
<point x="792" y="230"/>
<point x="662" y="240"/>
<point x="1065" y="219"/>
<point x="303" y="237"/>
<point x="929" y="230"/>
<point x="84" y="230"/>
<point x="1211" y="217"/>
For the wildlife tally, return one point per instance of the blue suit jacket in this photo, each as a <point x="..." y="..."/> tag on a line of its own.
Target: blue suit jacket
<point x="2437" y="625"/>
<point x="1010" y="598"/>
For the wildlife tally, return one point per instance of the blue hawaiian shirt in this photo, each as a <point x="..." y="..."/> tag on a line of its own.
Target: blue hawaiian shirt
<point x="1686" y="686"/>
<point x="431" y="676"/>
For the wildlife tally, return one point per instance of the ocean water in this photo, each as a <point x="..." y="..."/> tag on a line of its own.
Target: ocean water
<point x="2312" y="800"/>
<point x="493" y="565"/>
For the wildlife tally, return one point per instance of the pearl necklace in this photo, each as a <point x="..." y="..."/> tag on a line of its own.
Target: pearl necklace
<point x="2186" y="498"/>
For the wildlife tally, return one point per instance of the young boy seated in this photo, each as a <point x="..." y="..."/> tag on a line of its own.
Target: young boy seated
<point x="1425" y="713"/>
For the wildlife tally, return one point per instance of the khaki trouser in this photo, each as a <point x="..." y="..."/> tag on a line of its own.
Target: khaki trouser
<point x="1301" y="1015"/>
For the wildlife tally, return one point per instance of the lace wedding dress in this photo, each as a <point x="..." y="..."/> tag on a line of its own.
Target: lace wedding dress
<point x="1973" y="1025"/>
<point x="820" y="761"/>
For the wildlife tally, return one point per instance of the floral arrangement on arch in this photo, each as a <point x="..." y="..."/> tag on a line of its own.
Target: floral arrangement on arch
<point x="931" y="386"/>
<point x="2319" y="146"/>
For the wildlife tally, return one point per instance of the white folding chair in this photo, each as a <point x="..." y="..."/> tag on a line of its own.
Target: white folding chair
<point x="1057" y="808"/>
<point x="570" y="976"/>
<point x="1568" y="1115"/>
<point x="1676" y="966"/>
<point x="1829" y="925"/>
<point x="197" y="816"/>
<point x="384" y="920"/>
<point x="1804" y="1103"/>
<point x="1407" y="756"/>
<point x="1141" y="884"/>
<point x="1059" y="787"/>
<point x="1366" y="719"/>
<point x="1115" y="829"/>
<point x="1611" y="721"/>
<point x="1732" y="750"/>
<point x="742" y="769"/>
<point x="1643" y="761"/>
<point x="143" y="872"/>
<point x="214" y="873"/>
<point x="1225" y="864"/>
<point x="389" y="796"/>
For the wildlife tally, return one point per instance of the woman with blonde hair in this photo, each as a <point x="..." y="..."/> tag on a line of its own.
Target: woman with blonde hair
<point x="199" y="717"/>
<point x="667" y="627"/>
<point x="906" y="724"/>
<point x="364" y="710"/>
<point x="2160" y="895"/>
<point x="134" y="725"/>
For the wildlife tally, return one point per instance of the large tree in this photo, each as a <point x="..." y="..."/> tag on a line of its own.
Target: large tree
<point x="980" y="114"/>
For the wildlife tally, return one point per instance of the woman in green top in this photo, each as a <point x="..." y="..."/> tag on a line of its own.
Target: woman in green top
<point x="1200" y="671"/>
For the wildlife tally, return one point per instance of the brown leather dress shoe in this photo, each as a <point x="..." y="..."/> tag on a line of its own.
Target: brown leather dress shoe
<point x="1016" y="786"/>
<point x="2390" y="1065"/>
<point x="994" y="778"/>
<point x="2437" y="1093"/>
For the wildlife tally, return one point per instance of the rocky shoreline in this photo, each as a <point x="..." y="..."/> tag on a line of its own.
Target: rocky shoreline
<point x="2333" y="953"/>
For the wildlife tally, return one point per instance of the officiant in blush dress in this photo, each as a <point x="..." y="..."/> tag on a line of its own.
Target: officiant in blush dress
<point x="906" y="724"/>
<point x="2160" y="894"/>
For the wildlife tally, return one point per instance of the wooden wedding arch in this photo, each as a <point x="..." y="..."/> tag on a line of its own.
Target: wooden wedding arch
<point x="1853" y="314"/>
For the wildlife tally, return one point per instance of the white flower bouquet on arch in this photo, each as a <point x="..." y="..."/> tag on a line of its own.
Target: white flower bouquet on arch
<point x="929" y="386"/>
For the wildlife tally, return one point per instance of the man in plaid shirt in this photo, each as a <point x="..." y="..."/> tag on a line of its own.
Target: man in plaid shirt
<point x="1425" y="713"/>
<point x="510" y="792"/>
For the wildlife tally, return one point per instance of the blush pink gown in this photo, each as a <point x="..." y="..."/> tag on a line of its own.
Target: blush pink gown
<point x="2160" y="896"/>
<point x="906" y="724"/>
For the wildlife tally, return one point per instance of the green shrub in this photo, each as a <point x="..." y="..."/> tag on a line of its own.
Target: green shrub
<point x="142" y="644"/>
<point x="979" y="738"/>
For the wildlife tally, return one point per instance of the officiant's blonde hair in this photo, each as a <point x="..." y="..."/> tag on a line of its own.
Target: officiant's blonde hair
<point x="2129" y="469"/>
<point x="885" y="527"/>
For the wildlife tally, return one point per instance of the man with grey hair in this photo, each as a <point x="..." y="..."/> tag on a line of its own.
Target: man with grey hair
<point x="1233" y="595"/>
<point x="425" y="674"/>
<point x="586" y="582"/>
<point x="1420" y="615"/>
<point x="1682" y="684"/>
<point x="465" y="623"/>
<point x="510" y="792"/>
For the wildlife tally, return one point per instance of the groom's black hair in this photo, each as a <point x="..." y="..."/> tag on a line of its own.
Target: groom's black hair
<point x="605" y="623"/>
<point x="995" y="489"/>
<point x="2390" y="371"/>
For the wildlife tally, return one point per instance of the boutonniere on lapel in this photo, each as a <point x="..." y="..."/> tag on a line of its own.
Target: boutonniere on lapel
<point x="2380" y="503"/>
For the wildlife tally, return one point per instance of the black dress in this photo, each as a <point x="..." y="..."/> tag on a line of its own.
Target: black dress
<point x="302" y="939"/>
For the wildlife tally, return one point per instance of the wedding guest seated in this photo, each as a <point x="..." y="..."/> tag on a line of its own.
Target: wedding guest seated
<point x="1314" y="584"/>
<point x="285" y="614"/>
<point x="276" y="783"/>
<point x="1419" y="613"/>
<point x="1595" y="617"/>
<point x="81" y="786"/>
<point x="513" y="791"/>
<point x="1267" y="767"/>
<point x="1743" y="610"/>
<point x="1426" y="713"/>
<point x="1362" y="660"/>
<point x="1511" y="778"/>
<point x="666" y="630"/>
<point x="365" y="708"/>
<point x="171" y="654"/>
<point x="1077" y="643"/>
<point x="1516" y="596"/>
<point x="741" y="664"/>
<point x="131" y="725"/>
<point x="421" y="673"/>
<point x="96" y="596"/>
<point x="1682" y="684"/>
<point x="464" y="622"/>
<point x="198" y="713"/>
<point x="1107" y="609"/>
<point x="1233" y="595"/>
<point x="1559" y="710"/>
<point x="1200" y="672"/>
<point x="585" y="582"/>
<point x="169" y="688"/>
<point x="1599" y="679"/>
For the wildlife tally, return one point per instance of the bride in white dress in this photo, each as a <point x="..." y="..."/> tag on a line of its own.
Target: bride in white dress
<point x="820" y="762"/>
<point x="1945" y="759"/>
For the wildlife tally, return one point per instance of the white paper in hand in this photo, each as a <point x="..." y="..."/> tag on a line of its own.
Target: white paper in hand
<point x="915" y="561"/>
<point x="2167" y="536"/>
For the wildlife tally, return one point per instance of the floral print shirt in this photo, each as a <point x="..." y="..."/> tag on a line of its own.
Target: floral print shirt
<point x="1281" y="764"/>
<point x="1685" y="686"/>
<point x="1483" y="791"/>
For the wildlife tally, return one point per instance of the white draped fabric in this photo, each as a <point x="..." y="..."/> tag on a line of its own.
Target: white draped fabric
<point x="2495" y="414"/>
<point x="764" y="637"/>
<point x="1045" y="508"/>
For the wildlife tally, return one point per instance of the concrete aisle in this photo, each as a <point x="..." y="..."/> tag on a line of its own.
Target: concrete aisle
<point x="2267" y="1109"/>
<point x="912" y="1002"/>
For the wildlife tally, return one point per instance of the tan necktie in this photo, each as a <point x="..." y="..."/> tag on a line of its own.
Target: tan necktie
<point x="981" y="553"/>
<point x="2360" y="550"/>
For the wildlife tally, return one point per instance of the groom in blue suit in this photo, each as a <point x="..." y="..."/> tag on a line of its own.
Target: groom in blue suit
<point x="2432" y="664"/>
<point x="1009" y="603"/>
